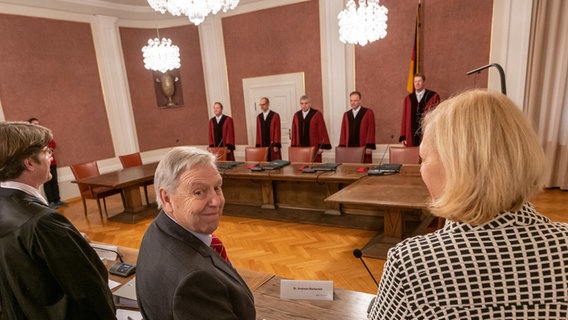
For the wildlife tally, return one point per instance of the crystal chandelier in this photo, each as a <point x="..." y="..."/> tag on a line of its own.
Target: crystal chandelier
<point x="161" y="55"/>
<point x="365" y="24"/>
<point x="195" y="10"/>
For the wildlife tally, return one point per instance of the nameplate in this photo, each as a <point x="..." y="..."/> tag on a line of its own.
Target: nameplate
<point x="306" y="289"/>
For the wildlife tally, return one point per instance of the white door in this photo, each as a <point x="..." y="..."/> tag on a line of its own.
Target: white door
<point x="284" y="92"/>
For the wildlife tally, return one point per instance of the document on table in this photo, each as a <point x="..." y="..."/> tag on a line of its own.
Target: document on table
<point x="122" y="314"/>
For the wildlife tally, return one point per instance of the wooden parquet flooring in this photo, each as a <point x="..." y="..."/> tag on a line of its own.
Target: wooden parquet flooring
<point x="289" y="250"/>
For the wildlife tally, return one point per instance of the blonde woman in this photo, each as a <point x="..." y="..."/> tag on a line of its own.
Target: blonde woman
<point x="496" y="257"/>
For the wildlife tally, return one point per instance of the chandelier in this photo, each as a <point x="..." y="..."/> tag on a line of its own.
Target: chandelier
<point x="195" y="10"/>
<point x="161" y="55"/>
<point x="361" y="25"/>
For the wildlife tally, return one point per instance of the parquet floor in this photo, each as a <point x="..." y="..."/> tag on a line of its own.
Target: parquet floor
<point x="289" y="250"/>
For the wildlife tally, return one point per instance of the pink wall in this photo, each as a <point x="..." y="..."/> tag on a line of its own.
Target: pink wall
<point x="166" y="127"/>
<point x="456" y="39"/>
<point x="273" y="41"/>
<point x="48" y="70"/>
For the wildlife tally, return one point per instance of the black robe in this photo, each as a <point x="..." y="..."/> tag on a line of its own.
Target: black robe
<point x="47" y="269"/>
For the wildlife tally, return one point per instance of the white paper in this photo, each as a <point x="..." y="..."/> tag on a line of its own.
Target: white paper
<point x="122" y="314"/>
<point x="306" y="289"/>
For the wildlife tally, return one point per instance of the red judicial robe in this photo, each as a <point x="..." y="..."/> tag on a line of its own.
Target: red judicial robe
<point x="412" y="113"/>
<point x="268" y="134"/>
<point x="310" y="131"/>
<point x="222" y="134"/>
<point x="359" y="132"/>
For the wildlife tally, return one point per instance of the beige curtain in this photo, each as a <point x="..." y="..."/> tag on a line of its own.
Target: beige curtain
<point x="546" y="97"/>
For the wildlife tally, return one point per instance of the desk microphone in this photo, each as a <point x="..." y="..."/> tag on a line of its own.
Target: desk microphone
<point x="359" y="254"/>
<point x="110" y="250"/>
<point x="386" y="149"/>
<point x="120" y="268"/>
<point x="376" y="171"/>
<point x="310" y="169"/>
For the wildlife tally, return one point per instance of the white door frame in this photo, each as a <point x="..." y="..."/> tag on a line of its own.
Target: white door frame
<point x="284" y="92"/>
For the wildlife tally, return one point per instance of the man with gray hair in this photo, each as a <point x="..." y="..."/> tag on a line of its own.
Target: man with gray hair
<point x="47" y="269"/>
<point x="183" y="271"/>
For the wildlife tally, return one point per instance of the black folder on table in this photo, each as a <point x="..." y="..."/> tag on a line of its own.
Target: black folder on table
<point x="227" y="164"/>
<point x="328" y="166"/>
<point x="276" y="164"/>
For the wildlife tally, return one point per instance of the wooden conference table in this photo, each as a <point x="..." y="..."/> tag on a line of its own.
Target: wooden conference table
<point x="346" y="304"/>
<point x="129" y="180"/>
<point x="402" y="199"/>
<point x="288" y="194"/>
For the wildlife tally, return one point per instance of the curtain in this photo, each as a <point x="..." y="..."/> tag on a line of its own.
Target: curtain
<point x="546" y="96"/>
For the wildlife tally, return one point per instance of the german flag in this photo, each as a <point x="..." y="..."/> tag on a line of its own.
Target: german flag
<point x="415" y="59"/>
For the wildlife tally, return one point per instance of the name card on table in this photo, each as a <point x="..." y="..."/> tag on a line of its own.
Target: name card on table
<point x="306" y="289"/>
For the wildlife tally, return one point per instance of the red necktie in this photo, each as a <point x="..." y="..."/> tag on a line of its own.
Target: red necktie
<point x="218" y="246"/>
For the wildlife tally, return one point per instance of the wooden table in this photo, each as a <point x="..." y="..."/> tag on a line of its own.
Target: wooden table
<point x="129" y="180"/>
<point x="399" y="197"/>
<point x="288" y="194"/>
<point x="265" y="287"/>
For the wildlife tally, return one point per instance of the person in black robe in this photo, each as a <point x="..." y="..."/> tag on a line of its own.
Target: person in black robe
<point x="48" y="270"/>
<point x="268" y="130"/>
<point x="308" y="129"/>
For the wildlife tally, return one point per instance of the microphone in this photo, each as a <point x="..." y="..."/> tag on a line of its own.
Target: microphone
<point x="310" y="169"/>
<point x="97" y="247"/>
<point x="376" y="171"/>
<point x="386" y="149"/>
<point x="359" y="255"/>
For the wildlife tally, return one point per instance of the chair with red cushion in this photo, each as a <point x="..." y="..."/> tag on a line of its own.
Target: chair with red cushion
<point x="87" y="170"/>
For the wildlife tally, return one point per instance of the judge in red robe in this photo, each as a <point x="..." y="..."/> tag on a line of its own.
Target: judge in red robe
<point x="268" y="130"/>
<point x="308" y="129"/>
<point x="358" y="127"/>
<point x="415" y="106"/>
<point x="222" y="131"/>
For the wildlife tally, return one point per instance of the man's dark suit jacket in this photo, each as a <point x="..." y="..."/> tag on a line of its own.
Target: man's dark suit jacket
<point x="179" y="277"/>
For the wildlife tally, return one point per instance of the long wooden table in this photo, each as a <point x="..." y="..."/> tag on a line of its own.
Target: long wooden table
<point x="402" y="199"/>
<point x="129" y="180"/>
<point x="288" y="194"/>
<point x="346" y="304"/>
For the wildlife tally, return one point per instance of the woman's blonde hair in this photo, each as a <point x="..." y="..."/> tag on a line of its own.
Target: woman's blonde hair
<point x="490" y="155"/>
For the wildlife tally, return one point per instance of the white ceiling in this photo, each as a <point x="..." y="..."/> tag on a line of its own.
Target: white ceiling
<point x="124" y="9"/>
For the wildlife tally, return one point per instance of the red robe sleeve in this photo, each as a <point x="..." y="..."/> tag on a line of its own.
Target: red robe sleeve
<point x="258" y="132"/>
<point x="318" y="132"/>
<point x="295" y="142"/>
<point x="432" y="103"/>
<point x="275" y="131"/>
<point x="344" y="137"/>
<point x="229" y="133"/>
<point x="405" y="126"/>
<point x="275" y="135"/>
<point x="367" y="131"/>
<point x="211" y="133"/>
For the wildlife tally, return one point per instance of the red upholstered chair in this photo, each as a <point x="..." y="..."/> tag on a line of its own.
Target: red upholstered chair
<point x="256" y="154"/>
<point x="134" y="160"/>
<point x="219" y="152"/>
<point x="349" y="154"/>
<point x="301" y="154"/>
<point x="87" y="170"/>
<point x="404" y="155"/>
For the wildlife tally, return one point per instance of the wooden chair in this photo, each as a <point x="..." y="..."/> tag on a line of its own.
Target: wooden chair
<point x="302" y="154"/>
<point x="256" y="154"/>
<point x="87" y="170"/>
<point x="134" y="160"/>
<point x="219" y="152"/>
<point x="404" y="155"/>
<point x="349" y="154"/>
